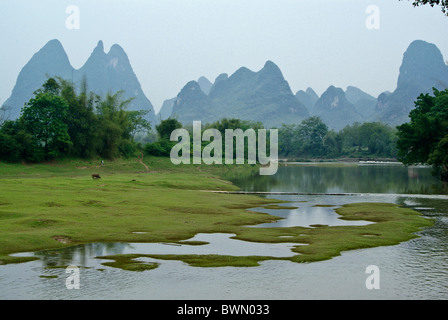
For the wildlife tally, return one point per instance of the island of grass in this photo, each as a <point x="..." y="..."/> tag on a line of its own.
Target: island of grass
<point x="55" y="205"/>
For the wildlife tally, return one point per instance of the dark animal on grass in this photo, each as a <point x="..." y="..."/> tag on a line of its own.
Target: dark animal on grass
<point x="96" y="176"/>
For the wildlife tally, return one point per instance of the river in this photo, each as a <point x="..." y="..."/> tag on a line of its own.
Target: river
<point x="415" y="269"/>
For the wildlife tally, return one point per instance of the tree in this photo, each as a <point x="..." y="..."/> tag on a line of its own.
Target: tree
<point x="423" y="139"/>
<point x="432" y="3"/>
<point x="58" y="122"/>
<point x="370" y="139"/>
<point x="439" y="159"/>
<point x="9" y="147"/>
<point x="138" y="122"/>
<point x="312" y="132"/>
<point x="333" y="143"/>
<point x="114" y="126"/>
<point x="17" y="144"/>
<point x="81" y="118"/>
<point x="51" y="86"/>
<point x="45" y="118"/>
<point x="288" y="140"/>
<point x="308" y="139"/>
<point x="162" y="147"/>
<point x="167" y="126"/>
<point x="379" y="138"/>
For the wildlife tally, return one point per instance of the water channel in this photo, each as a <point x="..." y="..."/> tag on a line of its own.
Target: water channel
<point x="415" y="269"/>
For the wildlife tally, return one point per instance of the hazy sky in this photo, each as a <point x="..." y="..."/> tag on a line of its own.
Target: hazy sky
<point x="315" y="43"/>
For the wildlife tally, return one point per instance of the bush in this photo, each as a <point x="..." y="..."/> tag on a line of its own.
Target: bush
<point x="127" y="148"/>
<point x="9" y="149"/>
<point x="160" y="148"/>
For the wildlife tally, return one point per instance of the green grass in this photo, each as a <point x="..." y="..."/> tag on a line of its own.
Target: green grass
<point x="41" y="204"/>
<point x="55" y="205"/>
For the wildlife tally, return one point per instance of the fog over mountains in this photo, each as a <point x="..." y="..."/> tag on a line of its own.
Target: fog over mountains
<point x="265" y="95"/>
<point x="262" y="95"/>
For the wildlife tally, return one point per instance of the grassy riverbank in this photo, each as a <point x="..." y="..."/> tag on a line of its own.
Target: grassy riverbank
<point x="54" y="205"/>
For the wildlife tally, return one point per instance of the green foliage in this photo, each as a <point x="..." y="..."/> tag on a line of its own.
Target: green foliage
<point x="9" y="148"/>
<point x="59" y="122"/>
<point x="234" y="124"/>
<point x="138" y="123"/>
<point x="312" y="139"/>
<point x="167" y="126"/>
<point x="305" y="139"/>
<point x="424" y="138"/>
<point x="81" y="119"/>
<point x="439" y="159"/>
<point x="312" y="132"/>
<point x="114" y="125"/>
<point x="442" y="3"/>
<point x="309" y="139"/>
<point x="161" y="148"/>
<point x="17" y="144"/>
<point x="45" y="118"/>
<point x="375" y="138"/>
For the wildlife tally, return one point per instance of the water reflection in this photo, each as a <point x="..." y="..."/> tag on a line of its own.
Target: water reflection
<point x="308" y="214"/>
<point x="81" y="254"/>
<point x="415" y="269"/>
<point x="363" y="178"/>
<point x="216" y="243"/>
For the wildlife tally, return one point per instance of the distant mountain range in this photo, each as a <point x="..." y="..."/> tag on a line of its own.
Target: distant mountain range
<point x="422" y="69"/>
<point x="263" y="96"/>
<point x="103" y="73"/>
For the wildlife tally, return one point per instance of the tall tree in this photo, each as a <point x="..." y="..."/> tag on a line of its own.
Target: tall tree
<point x="114" y="126"/>
<point x="312" y="132"/>
<point x="81" y="118"/>
<point x="45" y="118"/>
<point x="167" y="126"/>
<point x="9" y="147"/>
<point x="423" y="139"/>
<point x="138" y="122"/>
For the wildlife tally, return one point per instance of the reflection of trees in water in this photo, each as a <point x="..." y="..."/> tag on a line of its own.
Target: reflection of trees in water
<point x="82" y="253"/>
<point x="251" y="180"/>
<point x="334" y="179"/>
<point x="307" y="179"/>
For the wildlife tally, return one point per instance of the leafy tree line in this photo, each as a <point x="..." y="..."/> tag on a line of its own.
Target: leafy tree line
<point x="425" y="138"/>
<point x="309" y="139"/>
<point x="163" y="145"/>
<point x="312" y="139"/>
<point x="59" y="122"/>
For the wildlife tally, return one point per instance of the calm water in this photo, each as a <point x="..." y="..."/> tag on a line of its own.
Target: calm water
<point x="416" y="269"/>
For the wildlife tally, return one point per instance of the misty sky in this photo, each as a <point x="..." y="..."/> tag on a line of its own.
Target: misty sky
<point x="315" y="43"/>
